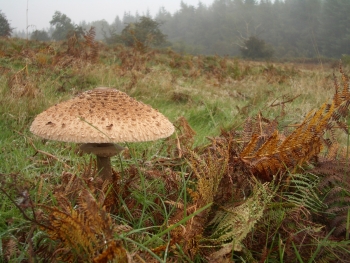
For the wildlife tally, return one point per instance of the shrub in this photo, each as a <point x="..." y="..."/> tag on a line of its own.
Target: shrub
<point x="256" y="48"/>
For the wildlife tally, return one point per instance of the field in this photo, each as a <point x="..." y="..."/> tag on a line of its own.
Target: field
<point x="256" y="171"/>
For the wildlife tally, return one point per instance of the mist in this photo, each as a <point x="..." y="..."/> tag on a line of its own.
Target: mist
<point x="291" y="28"/>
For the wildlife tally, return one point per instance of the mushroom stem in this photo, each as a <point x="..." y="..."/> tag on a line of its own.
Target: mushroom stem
<point x="103" y="152"/>
<point x="104" y="167"/>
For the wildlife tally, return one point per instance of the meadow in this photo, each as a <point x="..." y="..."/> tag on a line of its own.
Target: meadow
<point x="256" y="171"/>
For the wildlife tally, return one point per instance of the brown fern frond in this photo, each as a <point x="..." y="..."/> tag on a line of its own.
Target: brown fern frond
<point x="74" y="46"/>
<point x="79" y="50"/>
<point x="235" y="183"/>
<point x="21" y="84"/>
<point x="339" y="209"/>
<point x="247" y="133"/>
<point x="278" y="154"/>
<point x="92" y="49"/>
<point x="207" y="171"/>
<point x="94" y="213"/>
<point x="337" y="98"/>
<point x="334" y="187"/>
<point x="258" y="126"/>
<point x="114" y="251"/>
<point x="345" y="80"/>
<point x="177" y="147"/>
<point x="251" y="147"/>
<point x="84" y="232"/>
<point x="9" y="249"/>
<point x="340" y="223"/>
<point x="72" y="230"/>
<point x="72" y="184"/>
<point x="90" y="36"/>
<point x="332" y="181"/>
<point x="333" y="173"/>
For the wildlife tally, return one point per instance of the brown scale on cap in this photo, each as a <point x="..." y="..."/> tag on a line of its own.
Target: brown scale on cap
<point x="101" y="115"/>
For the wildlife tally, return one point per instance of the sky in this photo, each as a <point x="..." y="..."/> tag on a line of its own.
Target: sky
<point x="40" y="12"/>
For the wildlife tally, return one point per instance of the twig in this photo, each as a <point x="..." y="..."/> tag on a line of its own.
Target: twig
<point x="298" y="125"/>
<point x="284" y="102"/>
<point x="33" y="220"/>
<point x="43" y="152"/>
<point x="50" y="155"/>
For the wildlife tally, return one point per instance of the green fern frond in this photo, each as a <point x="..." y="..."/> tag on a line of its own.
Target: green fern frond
<point x="302" y="191"/>
<point x="233" y="223"/>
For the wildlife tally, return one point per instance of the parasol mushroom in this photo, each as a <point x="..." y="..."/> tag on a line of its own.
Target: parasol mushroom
<point x="99" y="118"/>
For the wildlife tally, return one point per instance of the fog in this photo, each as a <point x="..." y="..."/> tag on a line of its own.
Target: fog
<point x="289" y="28"/>
<point x="40" y="12"/>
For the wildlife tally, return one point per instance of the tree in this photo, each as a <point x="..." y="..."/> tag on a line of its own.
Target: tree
<point x="335" y="32"/>
<point x="102" y="28"/>
<point x="5" y="29"/>
<point x="250" y="2"/>
<point x="64" y="27"/>
<point x="256" y="48"/>
<point x="40" y="35"/>
<point x="145" y="32"/>
<point x="299" y="26"/>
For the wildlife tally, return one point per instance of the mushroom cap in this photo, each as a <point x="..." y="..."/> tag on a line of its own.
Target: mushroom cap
<point x="102" y="115"/>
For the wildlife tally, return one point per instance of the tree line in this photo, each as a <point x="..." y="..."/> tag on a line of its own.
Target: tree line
<point x="251" y="28"/>
<point x="292" y="28"/>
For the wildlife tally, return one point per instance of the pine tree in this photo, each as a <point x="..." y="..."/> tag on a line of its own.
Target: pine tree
<point x="5" y="29"/>
<point x="335" y="21"/>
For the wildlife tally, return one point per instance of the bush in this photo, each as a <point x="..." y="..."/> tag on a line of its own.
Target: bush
<point x="40" y="35"/>
<point x="256" y="48"/>
<point x="345" y="58"/>
<point x="145" y="32"/>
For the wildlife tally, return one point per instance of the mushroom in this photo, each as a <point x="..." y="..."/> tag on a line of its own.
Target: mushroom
<point x="99" y="118"/>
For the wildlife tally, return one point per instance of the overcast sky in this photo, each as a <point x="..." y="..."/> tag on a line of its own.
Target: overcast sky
<point x="40" y="12"/>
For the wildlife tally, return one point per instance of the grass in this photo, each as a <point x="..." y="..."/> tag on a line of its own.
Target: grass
<point x="155" y="210"/>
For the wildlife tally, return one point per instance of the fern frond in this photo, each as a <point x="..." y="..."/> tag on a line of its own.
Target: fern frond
<point x="8" y="249"/>
<point x="72" y="230"/>
<point x="335" y="194"/>
<point x="305" y="142"/>
<point x="302" y="191"/>
<point x="207" y="170"/>
<point x="340" y="224"/>
<point x="345" y="80"/>
<point x="251" y="147"/>
<point x="233" y="223"/>
<point x="90" y="36"/>
<point x="91" y="51"/>
<point x="334" y="187"/>
<point x="84" y="231"/>
<point x="114" y="251"/>
<point x="247" y="130"/>
<point x="99" y="220"/>
<point x="340" y="209"/>
<point x="74" y="46"/>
